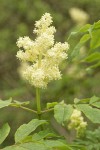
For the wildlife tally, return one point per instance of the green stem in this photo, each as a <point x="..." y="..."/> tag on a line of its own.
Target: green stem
<point x="39" y="112"/>
<point x="38" y="102"/>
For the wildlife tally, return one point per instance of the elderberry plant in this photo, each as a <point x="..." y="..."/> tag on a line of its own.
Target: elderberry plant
<point x="41" y="59"/>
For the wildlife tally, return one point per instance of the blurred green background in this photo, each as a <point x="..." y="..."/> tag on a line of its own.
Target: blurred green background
<point x="17" y="18"/>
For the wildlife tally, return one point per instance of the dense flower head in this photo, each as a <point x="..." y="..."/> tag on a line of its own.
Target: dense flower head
<point x="43" y="55"/>
<point x="77" y="122"/>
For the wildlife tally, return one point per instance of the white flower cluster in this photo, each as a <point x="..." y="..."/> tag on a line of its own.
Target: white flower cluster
<point x="43" y="54"/>
<point x="77" y="122"/>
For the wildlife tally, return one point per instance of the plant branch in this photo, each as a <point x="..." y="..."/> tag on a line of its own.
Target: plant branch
<point x="47" y="110"/>
<point x="25" y="108"/>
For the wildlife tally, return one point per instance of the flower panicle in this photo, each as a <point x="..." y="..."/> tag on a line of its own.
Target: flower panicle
<point x="77" y="122"/>
<point x="43" y="55"/>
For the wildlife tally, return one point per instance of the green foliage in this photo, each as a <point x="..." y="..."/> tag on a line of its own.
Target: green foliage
<point x="95" y="41"/>
<point x="4" y="131"/>
<point x="20" y="103"/>
<point x="50" y="105"/>
<point x="94" y="99"/>
<point x="92" y="113"/>
<point x="83" y="40"/>
<point x="62" y="112"/>
<point x="45" y="139"/>
<point x="57" y="144"/>
<point x="28" y="146"/>
<point x="93" y="57"/>
<point x="96" y="104"/>
<point x="86" y="106"/>
<point x="24" y="130"/>
<point x="44" y="135"/>
<point x="41" y="145"/>
<point x="5" y="103"/>
<point x="91" y="140"/>
<point x="89" y="31"/>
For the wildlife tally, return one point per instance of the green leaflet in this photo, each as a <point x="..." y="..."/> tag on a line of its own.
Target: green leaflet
<point x="24" y="130"/>
<point x="92" y="114"/>
<point x="91" y="100"/>
<point x="28" y="146"/>
<point x="40" y="145"/>
<point x="21" y="103"/>
<point x="93" y="57"/>
<point x="5" y="103"/>
<point x="18" y="104"/>
<point x="76" y="50"/>
<point x="57" y="144"/>
<point x="96" y="104"/>
<point x="50" y="105"/>
<point x="43" y="134"/>
<point x="94" y="99"/>
<point x="84" y="29"/>
<point x="4" y="131"/>
<point x="84" y="38"/>
<point x="62" y="112"/>
<point x="95" y="41"/>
